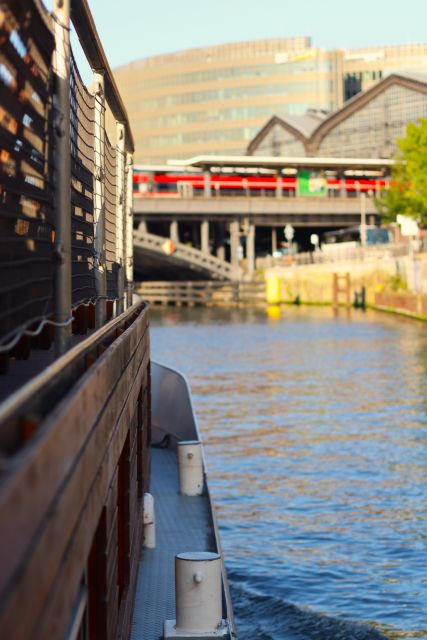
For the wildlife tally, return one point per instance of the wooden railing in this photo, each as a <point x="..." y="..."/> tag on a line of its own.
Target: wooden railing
<point x="74" y="466"/>
<point x="202" y="293"/>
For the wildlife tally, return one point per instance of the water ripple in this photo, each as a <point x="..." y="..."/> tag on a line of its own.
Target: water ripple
<point x="315" y="431"/>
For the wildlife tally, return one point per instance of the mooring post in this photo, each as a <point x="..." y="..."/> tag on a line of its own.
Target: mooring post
<point x="190" y="468"/>
<point x="348" y="290"/>
<point x="198" y="597"/>
<point x="149" y="522"/>
<point x="198" y="592"/>
<point x="335" y="291"/>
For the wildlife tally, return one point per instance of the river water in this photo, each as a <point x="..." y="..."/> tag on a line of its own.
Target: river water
<point x="315" y="431"/>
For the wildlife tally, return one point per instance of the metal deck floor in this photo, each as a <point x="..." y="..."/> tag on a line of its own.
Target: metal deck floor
<point x="182" y="524"/>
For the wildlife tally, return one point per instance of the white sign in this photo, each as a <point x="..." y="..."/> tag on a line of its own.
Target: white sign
<point x="289" y="232"/>
<point x="408" y="226"/>
<point x="314" y="239"/>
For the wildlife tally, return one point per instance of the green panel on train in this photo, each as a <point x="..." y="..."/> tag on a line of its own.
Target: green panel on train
<point x="311" y="183"/>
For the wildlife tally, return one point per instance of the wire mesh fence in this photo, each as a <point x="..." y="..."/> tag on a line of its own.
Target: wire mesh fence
<point x="26" y="170"/>
<point x="82" y="105"/>
<point x="110" y="219"/>
<point x="30" y="115"/>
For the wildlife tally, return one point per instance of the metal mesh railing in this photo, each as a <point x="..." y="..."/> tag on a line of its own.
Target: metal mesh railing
<point x="82" y="105"/>
<point x="110" y="219"/>
<point x="33" y="44"/>
<point x="26" y="189"/>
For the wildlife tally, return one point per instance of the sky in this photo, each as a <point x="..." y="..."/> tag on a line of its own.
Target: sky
<point x="132" y="29"/>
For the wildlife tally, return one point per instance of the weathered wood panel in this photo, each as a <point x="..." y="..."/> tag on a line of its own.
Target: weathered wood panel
<point x="63" y="485"/>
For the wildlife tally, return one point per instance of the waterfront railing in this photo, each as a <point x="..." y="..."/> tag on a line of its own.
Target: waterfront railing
<point x="65" y="187"/>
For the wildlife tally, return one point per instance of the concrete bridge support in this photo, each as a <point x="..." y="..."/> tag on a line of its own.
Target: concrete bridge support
<point x="207" y="183"/>
<point x="174" y="232"/>
<point x="234" y="244"/>
<point x="220" y="252"/>
<point x="204" y="235"/>
<point x="250" y="248"/>
<point x="273" y="240"/>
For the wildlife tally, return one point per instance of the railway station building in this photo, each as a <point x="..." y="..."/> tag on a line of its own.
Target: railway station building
<point x="214" y="100"/>
<point x="366" y="126"/>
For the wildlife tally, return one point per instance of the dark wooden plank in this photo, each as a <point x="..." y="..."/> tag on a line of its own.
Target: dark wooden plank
<point x="62" y="592"/>
<point x="41" y="565"/>
<point x="126" y="608"/>
<point x="45" y="463"/>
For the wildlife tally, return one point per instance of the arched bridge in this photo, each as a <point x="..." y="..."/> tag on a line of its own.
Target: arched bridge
<point x="159" y="256"/>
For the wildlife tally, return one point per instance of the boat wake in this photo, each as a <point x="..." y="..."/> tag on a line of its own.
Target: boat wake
<point x="265" y="617"/>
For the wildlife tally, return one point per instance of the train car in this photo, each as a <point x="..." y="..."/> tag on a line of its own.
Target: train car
<point x="171" y="182"/>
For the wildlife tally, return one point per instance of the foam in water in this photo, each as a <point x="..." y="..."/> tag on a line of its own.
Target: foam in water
<point x="264" y="617"/>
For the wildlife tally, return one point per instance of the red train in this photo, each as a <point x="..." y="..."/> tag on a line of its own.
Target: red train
<point x="165" y="182"/>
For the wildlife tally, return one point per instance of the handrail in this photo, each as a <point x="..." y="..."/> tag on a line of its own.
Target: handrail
<point x="84" y="25"/>
<point x="57" y="374"/>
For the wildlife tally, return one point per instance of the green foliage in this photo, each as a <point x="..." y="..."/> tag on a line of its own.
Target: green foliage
<point x="397" y="283"/>
<point x="407" y="194"/>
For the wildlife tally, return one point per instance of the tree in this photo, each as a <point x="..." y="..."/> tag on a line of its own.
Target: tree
<point x="407" y="194"/>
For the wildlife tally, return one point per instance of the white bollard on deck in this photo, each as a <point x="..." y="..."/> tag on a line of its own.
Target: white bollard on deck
<point x="149" y="522"/>
<point x="190" y="468"/>
<point x="198" y="595"/>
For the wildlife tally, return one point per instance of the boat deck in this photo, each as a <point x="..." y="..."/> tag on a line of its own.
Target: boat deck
<point x="182" y="524"/>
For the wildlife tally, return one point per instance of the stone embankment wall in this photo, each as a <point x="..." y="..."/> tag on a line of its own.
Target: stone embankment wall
<point x="408" y="304"/>
<point x="313" y="284"/>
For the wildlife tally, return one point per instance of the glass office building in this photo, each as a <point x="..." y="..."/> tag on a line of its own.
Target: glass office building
<point x="215" y="99"/>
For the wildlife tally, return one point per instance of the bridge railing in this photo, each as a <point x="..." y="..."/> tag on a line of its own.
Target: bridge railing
<point x="65" y="188"/>
<point x="189" y="255"/>
<point x="341" y="253"/>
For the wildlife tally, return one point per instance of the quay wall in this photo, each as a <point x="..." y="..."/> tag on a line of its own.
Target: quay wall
<point x="390" y="283"/>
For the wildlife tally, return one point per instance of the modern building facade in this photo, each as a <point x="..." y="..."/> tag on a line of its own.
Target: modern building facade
<point x="215" y="99"/>
<point x="367" y="126"/>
